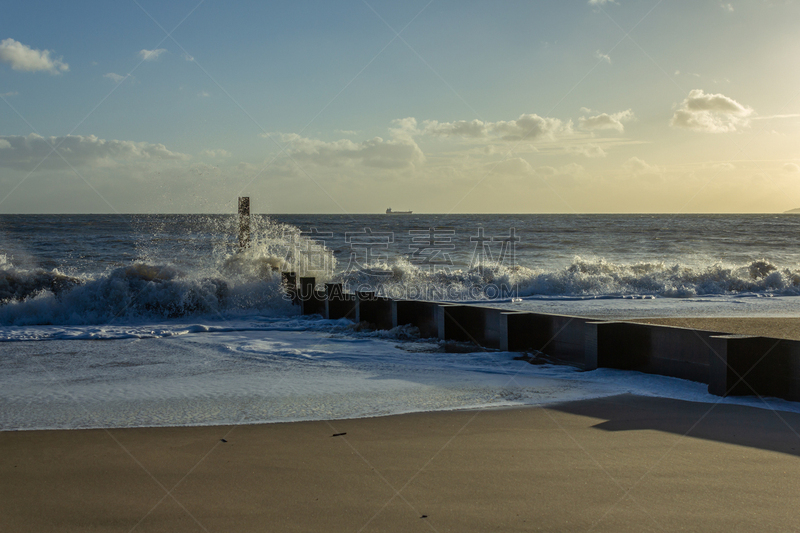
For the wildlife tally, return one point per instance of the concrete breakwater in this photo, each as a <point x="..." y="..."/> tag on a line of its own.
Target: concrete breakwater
<point x="730" y="364"/>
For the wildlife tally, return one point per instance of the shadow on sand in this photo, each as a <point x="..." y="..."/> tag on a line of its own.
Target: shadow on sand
<point x="777" y="431"/>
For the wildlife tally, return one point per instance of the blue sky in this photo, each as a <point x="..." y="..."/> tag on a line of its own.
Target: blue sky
<point x="574" y="106"/>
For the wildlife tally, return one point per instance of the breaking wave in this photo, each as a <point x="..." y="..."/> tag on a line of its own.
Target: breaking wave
<point x="582" y="278"/>
<point x="225" y="284"/>
<point x="230" y="283"/>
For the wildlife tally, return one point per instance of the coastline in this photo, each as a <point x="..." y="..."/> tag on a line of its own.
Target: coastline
<point x="616" y="464"/>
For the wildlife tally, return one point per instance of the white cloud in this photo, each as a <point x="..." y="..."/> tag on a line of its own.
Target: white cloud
<point x="187" y="57"/>
<point x="4" y="144"/>
<point x="601" y="2"/>
<point x="639" y="167"/>
<point x="404" y="128"/>
<point x="791" y="167"/>
<point x="151" y="55"/>
<point x="23" y="57"/>
<point x="203" y="94"/>
<point x="603" y="57"/>
<point x="11" y="93"/>
<point x="346" y="132"/>
<point x="530" y="127"/>
<point x="215" y="153"/>
<point x="463" y="128"/>
<point x="726" y="6"/>
<point x="604" y="121"/>
<point x="527" y="126"/>
<point x="377" y="152"/>
<point x="116" y="78"/>
<point x="770" y="117"/>
<point x="26" y="152"/>
<point x="587" y="150"/>
<point x="711" y="113"/>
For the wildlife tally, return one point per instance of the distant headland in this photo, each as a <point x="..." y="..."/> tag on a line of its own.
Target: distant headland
<point x="795" y="211"/>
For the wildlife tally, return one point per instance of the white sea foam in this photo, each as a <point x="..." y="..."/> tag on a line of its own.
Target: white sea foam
<point x="196" y="332"/>
<point x="198" y="273"/>
<point x="585" y="278"/>
<point x="247" y="283"/>
<point x="222" y="285"/>
<point x="328" y="371"/>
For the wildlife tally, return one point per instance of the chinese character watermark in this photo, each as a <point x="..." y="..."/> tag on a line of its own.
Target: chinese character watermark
<point x="430" y="249"/>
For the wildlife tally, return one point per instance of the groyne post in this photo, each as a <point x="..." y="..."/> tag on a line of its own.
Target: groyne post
<point x="562" y="337"/>
<point x="470" y="323"/>
<point x="730" y="364"/>
<point x="743" y="365"/>
<point x="375" y="310"/>
<point x="311" y="300"/>
<point x="653" y="349"/>
<point x="244" y="222"/>
<point x="337" y="303"/>
<point x="419" y="313"/>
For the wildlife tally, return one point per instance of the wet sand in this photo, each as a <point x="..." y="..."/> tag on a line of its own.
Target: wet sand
<point x="623" y="463"/>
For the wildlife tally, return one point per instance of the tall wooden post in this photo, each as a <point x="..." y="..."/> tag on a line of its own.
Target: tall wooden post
<point x="244" y="222"/>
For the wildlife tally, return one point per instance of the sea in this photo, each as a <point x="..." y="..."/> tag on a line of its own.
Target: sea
<point x="173" y="320"/>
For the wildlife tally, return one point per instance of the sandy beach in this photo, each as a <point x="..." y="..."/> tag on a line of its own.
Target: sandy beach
<point x="622" y="463"/>
<point x="399" y="266"/>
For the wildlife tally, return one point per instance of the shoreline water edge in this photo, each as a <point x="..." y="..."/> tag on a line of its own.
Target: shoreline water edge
<point x="193" y="323"/>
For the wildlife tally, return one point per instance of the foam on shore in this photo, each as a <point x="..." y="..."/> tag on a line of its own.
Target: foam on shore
<point x="302" y="369"/>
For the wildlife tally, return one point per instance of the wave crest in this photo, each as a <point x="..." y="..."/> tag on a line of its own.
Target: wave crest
<point x="226" y="282"/>
<point x="581" y="278"/>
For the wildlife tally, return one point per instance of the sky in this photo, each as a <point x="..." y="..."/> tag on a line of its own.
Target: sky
<point x="575" y="106"/>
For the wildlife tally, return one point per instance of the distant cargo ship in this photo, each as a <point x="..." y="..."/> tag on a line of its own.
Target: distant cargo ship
<point x="390" y="212"/>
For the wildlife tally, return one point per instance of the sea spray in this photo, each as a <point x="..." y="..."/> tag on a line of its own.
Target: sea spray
<point x="587" y="278"/>
<point x="95" y="269"/>
<point x="223" y="283"/>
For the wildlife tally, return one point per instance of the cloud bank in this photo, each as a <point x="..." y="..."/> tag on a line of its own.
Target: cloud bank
<point x="604" y="121"/>
<point x="24" y="58"/>
<point x="527" y="127"/>
<point x="21" y="152"/>
<point x="216" y="153"/>
<point x="639" y="167"/>
<point x="711" y="113"/>
<point x="376" y="152"/>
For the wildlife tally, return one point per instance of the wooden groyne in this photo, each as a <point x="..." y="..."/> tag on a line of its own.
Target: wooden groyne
<point x="731" y="365"/>
<point x="244" y="222"/>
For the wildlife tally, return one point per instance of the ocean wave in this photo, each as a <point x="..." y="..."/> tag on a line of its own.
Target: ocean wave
<point x="600" y="277"/>
<point x="224" y="284"/>
<point x="250" y="283"/>
<point x="582" y="278"/>
<point x="151" y="291"/>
